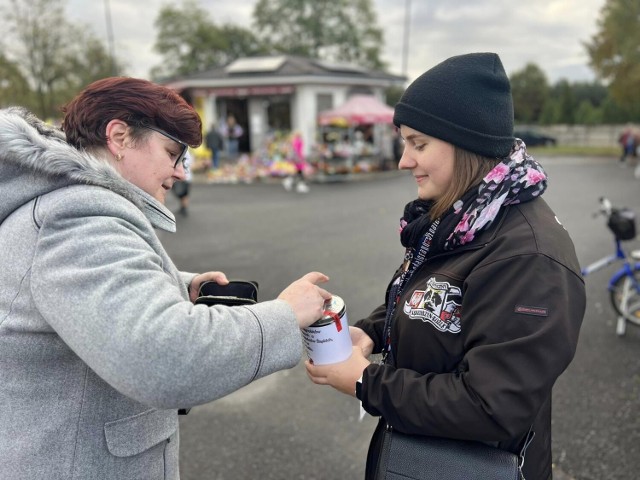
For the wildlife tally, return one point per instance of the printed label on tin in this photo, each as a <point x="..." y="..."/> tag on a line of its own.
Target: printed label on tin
<point x="330" y="343"/>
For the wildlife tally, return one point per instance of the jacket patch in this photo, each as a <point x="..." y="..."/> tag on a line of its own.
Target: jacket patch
<point x="439" y="304"/>
<point x="537" y="311"/>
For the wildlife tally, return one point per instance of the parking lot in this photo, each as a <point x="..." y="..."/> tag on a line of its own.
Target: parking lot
<point x="284" y="427"/>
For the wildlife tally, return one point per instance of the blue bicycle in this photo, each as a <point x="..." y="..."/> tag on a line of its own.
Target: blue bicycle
<point x="624" y="284"/>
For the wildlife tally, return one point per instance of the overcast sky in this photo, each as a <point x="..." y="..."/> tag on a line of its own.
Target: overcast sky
<point x="549" y="33"/>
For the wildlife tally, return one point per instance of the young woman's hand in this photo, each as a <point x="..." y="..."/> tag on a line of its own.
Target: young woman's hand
<point x="341" y="376"/>
<point x="360" y="339"/>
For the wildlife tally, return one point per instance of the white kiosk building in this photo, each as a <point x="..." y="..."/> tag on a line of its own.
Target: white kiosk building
<point x="277" y="93"/>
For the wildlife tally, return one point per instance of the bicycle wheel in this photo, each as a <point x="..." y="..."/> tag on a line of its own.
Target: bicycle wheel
<point x="625" y="297"/>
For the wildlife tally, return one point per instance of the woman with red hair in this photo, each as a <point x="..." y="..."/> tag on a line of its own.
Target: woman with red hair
<point x="100" y="341"/>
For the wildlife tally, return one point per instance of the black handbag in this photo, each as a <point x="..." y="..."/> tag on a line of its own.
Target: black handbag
<point x="236" y="292"/>
<point x="622" y="222"/>
<point x="415" y="457"/>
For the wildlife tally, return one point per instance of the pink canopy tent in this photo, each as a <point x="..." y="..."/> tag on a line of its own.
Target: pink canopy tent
<point x="358" y="110"/>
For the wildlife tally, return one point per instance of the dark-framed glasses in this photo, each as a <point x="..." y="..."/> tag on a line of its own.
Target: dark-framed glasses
<point x="183" y="146"/>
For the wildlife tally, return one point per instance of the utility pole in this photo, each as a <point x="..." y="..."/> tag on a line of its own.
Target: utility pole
<point x="112" y="50"/>
<point x="405" y="42"/>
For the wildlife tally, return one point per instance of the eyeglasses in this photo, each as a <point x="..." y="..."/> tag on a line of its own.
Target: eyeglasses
<point x="183" y="146"/>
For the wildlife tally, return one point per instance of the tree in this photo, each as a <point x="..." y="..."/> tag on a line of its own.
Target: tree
<point x="614" y="53"/>
<point x="588" y="114"/>
<point x="38" y="25"/>
<point x="566" y="103"/>
<point x="612" y="113"/>
<point x="241" y="43"/>
<point x="550" y="112"/>
<point x="48" y="50"/>
<point x="594" y="92"/>
<point x="14" y="89"/>
<point x="530" y="90"/>
<point x="393" y="94"/>
<point x="88" y="60"/>
<point x="189" y="41"/>
<point x="335" y="30"/>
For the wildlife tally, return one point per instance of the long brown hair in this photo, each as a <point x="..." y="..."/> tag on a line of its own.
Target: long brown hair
<point x="468" y="170"/>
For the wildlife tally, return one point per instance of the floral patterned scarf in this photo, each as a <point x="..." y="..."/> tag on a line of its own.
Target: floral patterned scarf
<point x="517" y="179"/>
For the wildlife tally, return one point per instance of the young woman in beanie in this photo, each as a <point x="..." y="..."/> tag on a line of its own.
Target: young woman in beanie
<point x="484" y="313"/>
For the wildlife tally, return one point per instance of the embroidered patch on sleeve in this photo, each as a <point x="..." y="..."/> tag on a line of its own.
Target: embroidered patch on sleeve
<point x="537" y="311"/>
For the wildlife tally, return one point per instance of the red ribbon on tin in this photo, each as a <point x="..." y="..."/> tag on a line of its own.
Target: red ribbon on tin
<point x="336" y="319"/>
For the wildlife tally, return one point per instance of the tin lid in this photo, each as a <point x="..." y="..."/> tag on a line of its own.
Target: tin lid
<point x="333" y="308"/>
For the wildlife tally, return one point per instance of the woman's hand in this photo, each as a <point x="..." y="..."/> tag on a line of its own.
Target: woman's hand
<point x="360" y="339"/>
<point x="341" y="376"/>
<point x="217" y="277"/>
<point x="306" y="298"/>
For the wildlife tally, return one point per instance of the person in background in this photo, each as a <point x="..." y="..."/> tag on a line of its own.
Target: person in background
<point x="627" y="141"/>
<point x="215" y="143"/>
<point x="298" y="179"/>
<point x="232" y="131"/>
<point x="485" y="311"/>
<point x="182" y="188"/>
<point x="100" y="341"/>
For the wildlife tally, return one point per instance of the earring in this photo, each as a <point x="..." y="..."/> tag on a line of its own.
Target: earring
<point x="118" y="157"/>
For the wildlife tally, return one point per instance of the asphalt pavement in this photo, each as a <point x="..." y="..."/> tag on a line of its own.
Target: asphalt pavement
<point x="284" y="427"/>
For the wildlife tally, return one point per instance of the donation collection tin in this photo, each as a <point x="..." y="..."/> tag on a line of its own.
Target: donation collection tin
<point x="328" y="340"/>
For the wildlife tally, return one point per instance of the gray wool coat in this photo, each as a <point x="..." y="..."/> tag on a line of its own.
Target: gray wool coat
<point x="99" y="345"/>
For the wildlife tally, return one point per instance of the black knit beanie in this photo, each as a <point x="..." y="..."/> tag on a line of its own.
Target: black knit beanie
<point x="465" y="101"/>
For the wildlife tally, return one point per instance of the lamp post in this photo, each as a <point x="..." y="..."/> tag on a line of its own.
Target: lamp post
<point x="405" y="41"/>
<point x="112" y="50"/>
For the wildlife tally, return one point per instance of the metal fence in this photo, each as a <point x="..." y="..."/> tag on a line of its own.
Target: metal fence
<point x="581" y="135"/>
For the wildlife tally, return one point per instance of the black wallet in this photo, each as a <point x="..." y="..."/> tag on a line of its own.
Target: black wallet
<point x="236" y="292"/>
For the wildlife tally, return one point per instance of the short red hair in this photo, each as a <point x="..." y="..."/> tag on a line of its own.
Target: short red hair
<point x="137" y="102"/>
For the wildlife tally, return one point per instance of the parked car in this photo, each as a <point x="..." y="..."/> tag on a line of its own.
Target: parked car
<point x="534" y="139"/>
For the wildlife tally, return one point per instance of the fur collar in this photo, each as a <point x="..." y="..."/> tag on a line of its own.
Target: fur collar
<point x="36" y="159"/>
